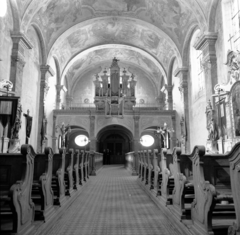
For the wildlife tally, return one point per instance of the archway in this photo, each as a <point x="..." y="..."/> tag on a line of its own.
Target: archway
<point x="114" y="141"/>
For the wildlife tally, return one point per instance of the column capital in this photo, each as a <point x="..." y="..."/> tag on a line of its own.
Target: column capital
<point x="47" y="69"/>
<point x="20" y="38"/>
<point x="169" y="88"/>
<point x="179" y="72"/>
<point x="136" y="118"/>
<point x="207" y="38"/>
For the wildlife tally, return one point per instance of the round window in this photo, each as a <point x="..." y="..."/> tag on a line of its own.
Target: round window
<point x="147" y="140"/>
<point x="81" y="140"/>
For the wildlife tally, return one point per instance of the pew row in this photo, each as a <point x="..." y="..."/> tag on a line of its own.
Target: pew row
<point x="36" y="188"/>
<point x="205" y="189"/>
<point x="17" y="209"/>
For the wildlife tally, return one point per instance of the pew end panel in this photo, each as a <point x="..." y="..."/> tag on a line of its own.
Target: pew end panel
<point x="58" y="184"/>
<point x="183" y="192"/>
<point x="167" y="177"/>
<point x="16" y="188"/>
<point x="68" y="175"/>
<point x="76" y="178"/>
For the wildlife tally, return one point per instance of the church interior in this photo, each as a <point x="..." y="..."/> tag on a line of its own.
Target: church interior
<point x="114" y="111"/>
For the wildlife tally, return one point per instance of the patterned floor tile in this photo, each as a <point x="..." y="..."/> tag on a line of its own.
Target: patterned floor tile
<point x="113" y="204"/>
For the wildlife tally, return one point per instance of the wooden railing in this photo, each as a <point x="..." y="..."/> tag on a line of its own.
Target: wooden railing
<point x="96" y="162"/>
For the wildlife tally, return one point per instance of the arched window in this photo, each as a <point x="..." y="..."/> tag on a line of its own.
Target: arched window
<point x="197" y="72"/>
<point x="231" y="10"/>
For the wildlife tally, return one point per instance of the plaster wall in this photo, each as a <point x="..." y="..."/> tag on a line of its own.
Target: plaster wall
<point x="50" y="103"/>
<point x="31" y="89"/>
<point x="84" y="89"/>
<point x="221" y="45"/>
<point x="177" y="101"/>
<point x="6" y="26"/>
<point x="197" y="133"/>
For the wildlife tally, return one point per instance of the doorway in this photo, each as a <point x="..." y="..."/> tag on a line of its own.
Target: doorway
<point x="114" y="143"/>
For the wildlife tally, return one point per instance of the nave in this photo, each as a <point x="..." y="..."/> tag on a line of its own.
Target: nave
<point x="113" y="203"/>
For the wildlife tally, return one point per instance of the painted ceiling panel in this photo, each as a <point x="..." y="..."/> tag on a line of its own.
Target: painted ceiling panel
<point x="171" y="16"/>
<point x="118" y="31"/>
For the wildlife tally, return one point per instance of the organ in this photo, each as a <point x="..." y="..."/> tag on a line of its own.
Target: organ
<point x="115" y="92"/>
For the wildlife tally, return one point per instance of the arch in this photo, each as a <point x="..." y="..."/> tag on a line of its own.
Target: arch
<point x="170" y="71"/>
<point x="186" y="46"/>
<point x="212" y="15"/>
<point x="80" y="54"/>
<point x="58" y="71"/>
<point x="41" y="42"/>
<point x="81" y="73"/>
<point x="16" y="17"/>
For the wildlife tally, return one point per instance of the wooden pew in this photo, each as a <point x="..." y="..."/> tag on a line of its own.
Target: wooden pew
<point x="58" y="184"/>
<point x="42" y="194"/>
<point x="15" y="190"/>
<point x="234" y="160"/>
<point x="145" y="166"/>
<point x="212" y="209"/>
<point x="160" y="174"/>
<point x="139" y="164"/>
<point x="68" y="177"/>
<point x="150" y="170"/>
<point x="167" y="177"/>
<point x="84" y="168"/>
<point x="157" y="172"/>
<point x="76" y="178"/>
<point x="183" y="192"/>
<point x="80" y="168"/>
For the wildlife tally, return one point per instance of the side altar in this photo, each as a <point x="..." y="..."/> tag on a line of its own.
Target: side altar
<point x="115" y="92"/>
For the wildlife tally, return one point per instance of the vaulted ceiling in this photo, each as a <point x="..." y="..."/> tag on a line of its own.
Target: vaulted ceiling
<point x="87" y="34"/>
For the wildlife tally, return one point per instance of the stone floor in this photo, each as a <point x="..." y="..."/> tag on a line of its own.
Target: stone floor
<point x="113" y="204"/>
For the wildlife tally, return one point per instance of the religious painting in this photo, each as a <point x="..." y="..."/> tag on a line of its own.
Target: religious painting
<point x="236" y="107"/>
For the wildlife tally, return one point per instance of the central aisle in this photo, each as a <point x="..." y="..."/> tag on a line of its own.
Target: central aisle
<point x="112" y="203"/>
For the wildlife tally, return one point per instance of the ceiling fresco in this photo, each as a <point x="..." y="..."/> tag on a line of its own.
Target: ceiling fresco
<point x="99" y="59"/>
<point x="84" y="35"/>
<point x="171" y="16"/>
<point x="117" y="31"/>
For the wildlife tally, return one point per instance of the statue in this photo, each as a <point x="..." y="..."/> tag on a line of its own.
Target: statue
<point x="233" y="63"/>
<point x="211" y="124"/>
<point x="97" y="84"/>
<point x="64" y="131"/>
<point x="28" y="126"/>
<point x="18" y="123"/>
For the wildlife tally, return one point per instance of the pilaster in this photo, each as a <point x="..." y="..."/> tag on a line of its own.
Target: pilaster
<point x="136" y="119"/>
<point x="58" y="99"/>
<point x="206" y="44"/>
<point x="92" y="133"/>
<point x="20" y="45"/>
<point x="69" y="100"/>
<point x="170" y="96"/>
<point x="46" y="72"/>
<point x="182" y="73"/>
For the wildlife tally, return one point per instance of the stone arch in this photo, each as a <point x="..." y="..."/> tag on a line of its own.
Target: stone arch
<point x="212" y="15"/>
<point x="186" y="46"/>
<point x="170" y="71"/>
<point x="16" y="17"/>
<point x="41" y="42"/>
<point x="77" y="56"/>
<point x="58" y="71"/>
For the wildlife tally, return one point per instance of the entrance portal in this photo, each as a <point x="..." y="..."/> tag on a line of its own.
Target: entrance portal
<point x="114" y="143"/>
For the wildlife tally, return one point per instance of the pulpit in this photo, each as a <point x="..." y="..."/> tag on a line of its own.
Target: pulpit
<point x="115" y="92"/>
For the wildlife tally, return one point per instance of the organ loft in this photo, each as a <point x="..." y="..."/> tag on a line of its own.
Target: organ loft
<point x="115" y="92"/>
